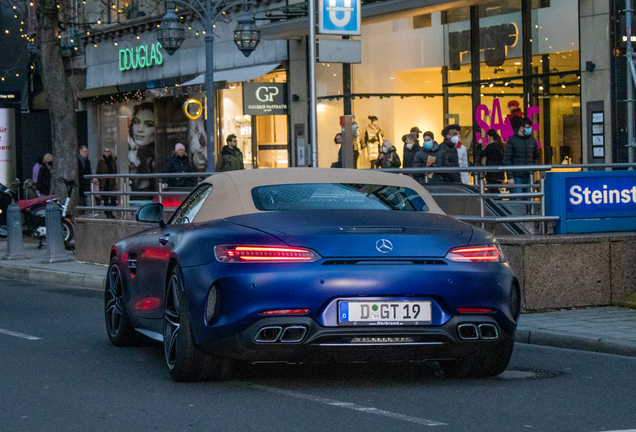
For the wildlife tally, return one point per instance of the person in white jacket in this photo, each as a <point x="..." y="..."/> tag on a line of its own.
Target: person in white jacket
<point x="463" y="162"/>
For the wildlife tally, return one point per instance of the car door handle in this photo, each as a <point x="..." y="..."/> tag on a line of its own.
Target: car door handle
<point x="163" y="240"/>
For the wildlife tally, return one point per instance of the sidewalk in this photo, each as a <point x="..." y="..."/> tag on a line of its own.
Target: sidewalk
<point x="603" y="329"/>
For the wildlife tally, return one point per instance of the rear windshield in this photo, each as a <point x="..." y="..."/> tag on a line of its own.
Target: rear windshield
<point x="336" y="196"/>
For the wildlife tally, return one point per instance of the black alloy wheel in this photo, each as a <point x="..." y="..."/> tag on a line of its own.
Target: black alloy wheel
<point x="120" y="330"/>
<point x="185" y="361"/>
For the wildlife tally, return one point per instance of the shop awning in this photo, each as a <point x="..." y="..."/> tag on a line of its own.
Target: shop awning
<point x="236" y="75"/>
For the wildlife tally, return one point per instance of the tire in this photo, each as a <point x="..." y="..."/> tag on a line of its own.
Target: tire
<point x="486" y="362"/>
<point x="185" y="361"/>
<point x="120" y="330"/>
<point x="67" y="231"/>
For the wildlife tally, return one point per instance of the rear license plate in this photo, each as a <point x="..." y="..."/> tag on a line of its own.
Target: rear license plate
<point x="384" y="312"/>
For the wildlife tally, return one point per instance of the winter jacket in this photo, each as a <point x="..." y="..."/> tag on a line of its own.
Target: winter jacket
<point x="44" y="181"/>
<point x="390" y="159"/>
<point x="230" y="159"/>
<point x="107" y="165"/>
<point x="521" y="151"/>
<point x="452" y="160"/>
<point x="84" y="183"/>
<point x="180" y="164"/>
<point x="494" y="157"/>
<point x="421" y="159"/>
<point x="409" y="155"/>
<point x="462" y="154"/>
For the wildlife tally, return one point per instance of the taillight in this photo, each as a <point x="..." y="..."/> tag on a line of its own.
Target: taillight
<point x="286" y="312"/>
<point x="235" y="254"/>
<point x="489" y="253"/>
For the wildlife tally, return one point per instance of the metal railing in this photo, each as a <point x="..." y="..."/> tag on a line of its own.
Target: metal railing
<point x="533" y="200"/>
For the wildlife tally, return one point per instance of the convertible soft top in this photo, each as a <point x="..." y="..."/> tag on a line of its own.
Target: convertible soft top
<point x="231" y="194"/>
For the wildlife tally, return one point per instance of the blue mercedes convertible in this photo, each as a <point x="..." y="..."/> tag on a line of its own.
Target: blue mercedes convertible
<point x="312" y="265"/>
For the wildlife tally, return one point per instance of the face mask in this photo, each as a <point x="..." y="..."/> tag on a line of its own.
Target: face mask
<point x="529" y="131"/>
<point x="455" y="139"/>
<point x="383" y="149"/>
<point x="409" y="146"/>
<point x="428" y="144"/>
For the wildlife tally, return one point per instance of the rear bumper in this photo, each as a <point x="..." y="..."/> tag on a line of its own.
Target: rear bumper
<point x="358" y="344"/>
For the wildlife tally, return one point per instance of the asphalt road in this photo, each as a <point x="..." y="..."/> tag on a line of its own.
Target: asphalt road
<point x="59" y="372"/>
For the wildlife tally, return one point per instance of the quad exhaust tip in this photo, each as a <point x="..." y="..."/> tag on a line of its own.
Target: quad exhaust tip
<point x="281" y="334"/>
<point x="488" y="331"/>
<point x="469" y="331"/>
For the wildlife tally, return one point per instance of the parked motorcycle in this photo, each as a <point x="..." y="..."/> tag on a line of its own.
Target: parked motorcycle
<point x="33" y="213"/>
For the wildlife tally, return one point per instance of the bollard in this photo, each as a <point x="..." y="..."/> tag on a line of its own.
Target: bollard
<point x="15" y="243"/>
<point x="54" y="236"/>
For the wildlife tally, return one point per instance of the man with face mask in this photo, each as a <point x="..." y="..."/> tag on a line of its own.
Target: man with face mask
<point x="411" y="147"/>
<point x="521" y="149"/>
<point x="451" y="138"/>
<point x="430" y="155"/>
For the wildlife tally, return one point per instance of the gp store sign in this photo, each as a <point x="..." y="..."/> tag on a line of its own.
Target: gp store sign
<point x="594" y="201"/>
<point x="342" y="17"/>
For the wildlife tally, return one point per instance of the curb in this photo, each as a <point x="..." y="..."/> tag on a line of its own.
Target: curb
<point x="580" y="343"/>
<point x="72" y="280"/>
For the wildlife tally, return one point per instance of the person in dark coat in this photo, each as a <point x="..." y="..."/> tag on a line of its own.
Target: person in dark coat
<point x="430" y="155"/>
<point x="493" y="153"/>
<point x="43" y="186"/>
<point x="231" y="157"/>
<point x="337" y="140"/>
<point x="107" y="165"/>
<point x="521" y="149"/>
<point x="411" y="147"/>
<point x="388" y="157"/>
<point x="83" y="169"/>
<point x="451" y="139"/>
<point x="180" y="164"/>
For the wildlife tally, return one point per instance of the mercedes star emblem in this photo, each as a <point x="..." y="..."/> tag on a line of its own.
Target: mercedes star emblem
<point x="384" y="246"/>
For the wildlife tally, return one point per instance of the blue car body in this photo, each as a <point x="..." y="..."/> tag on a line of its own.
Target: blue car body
<point x="250" y="312"/>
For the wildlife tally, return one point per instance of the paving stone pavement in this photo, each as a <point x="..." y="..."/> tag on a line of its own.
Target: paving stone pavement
<point x="602" y="329"/>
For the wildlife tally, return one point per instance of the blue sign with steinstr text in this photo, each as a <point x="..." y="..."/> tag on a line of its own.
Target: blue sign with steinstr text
<point x="593" y="201"/>
<point x="341" y="17"/>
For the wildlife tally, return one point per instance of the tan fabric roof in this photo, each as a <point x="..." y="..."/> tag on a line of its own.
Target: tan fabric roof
<point x="232" y="191"/>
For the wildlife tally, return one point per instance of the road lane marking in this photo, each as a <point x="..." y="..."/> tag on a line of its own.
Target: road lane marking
<point x="348" y="405"/>
<point x="20" y="335"/>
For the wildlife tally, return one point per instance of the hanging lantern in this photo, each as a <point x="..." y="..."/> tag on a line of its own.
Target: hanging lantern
<point x="170" y="34"/>
<point x="247" y="35"/>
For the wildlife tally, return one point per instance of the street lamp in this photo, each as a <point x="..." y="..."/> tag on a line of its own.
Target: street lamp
<point x="246" y="36"/>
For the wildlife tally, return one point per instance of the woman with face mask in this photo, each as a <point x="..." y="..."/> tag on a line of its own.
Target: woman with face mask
<point x="411" y="147"/>
<point x="141" y="145"/>
<point x="388" y="157"/>
<point x="430" y="155"/>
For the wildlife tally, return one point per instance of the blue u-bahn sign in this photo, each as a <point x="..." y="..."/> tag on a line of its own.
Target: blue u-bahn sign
<point x="341" y="17"/>
<point x="594" y="201"/>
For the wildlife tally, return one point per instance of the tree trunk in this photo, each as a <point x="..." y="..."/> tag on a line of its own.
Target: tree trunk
<point x="60" y="98"/>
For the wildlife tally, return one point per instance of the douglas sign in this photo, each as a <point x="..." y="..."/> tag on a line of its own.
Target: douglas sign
<point x="140" y="57"/>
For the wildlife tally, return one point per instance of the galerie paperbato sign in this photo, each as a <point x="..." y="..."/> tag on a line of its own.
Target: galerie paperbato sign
<point x="262" y="98"/>
<point x="140" y="57"/>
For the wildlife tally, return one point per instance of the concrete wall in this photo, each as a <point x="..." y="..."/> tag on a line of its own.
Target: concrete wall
<point x="94" y="237"/>
<point x="573" y="270"/>
<point x="595" y="85"/>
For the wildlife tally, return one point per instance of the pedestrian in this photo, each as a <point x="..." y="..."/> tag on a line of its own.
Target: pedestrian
<point x="177" y="165"/>
<point x="83" y="169"/>
<point x="521" y="149"/>
<point x="107" y="165"/>
<point x="462" y="155"/>
<point x="411" y="147"/>
<point x="430" y="155"/>
<point x="388" y="157"/>
<point x="231" y="157"/>
<point x="338" y="141"/>
<point x="494" y="153"/>
<point x="415" y="131"/>
<point x="373" y="137"/>
<point x="451" y="139"/>
<point x="43" y="186"/>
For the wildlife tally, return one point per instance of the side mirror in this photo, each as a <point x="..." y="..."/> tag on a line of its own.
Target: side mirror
<point x="151" y="213"/>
